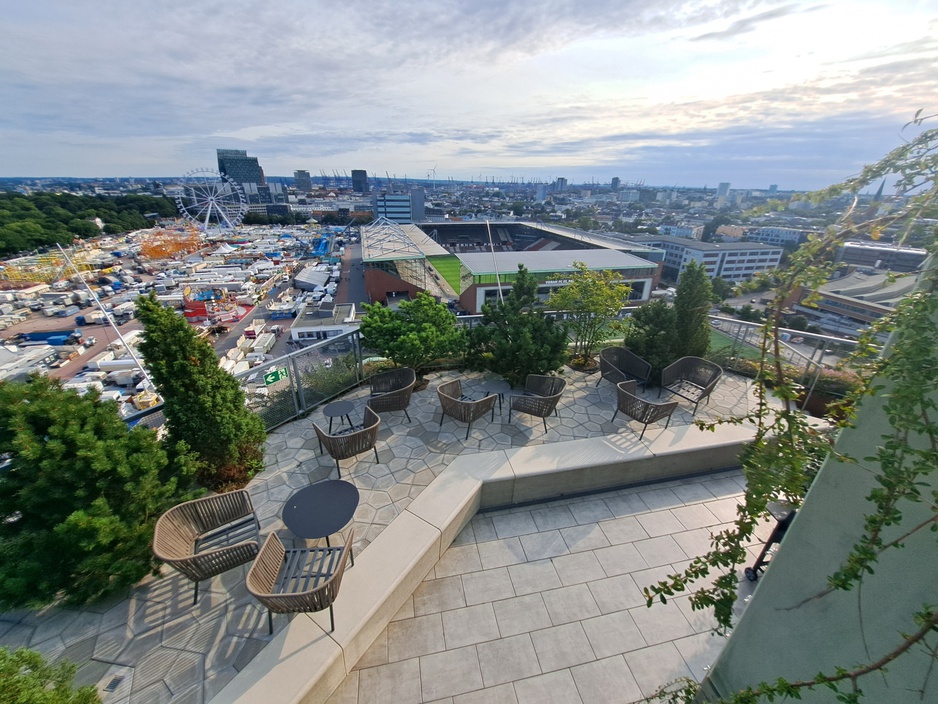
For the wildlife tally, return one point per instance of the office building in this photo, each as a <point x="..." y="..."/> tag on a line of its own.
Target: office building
<point x="615" y="183"/>
<point x="560" y="185"/>
<point x="731" y="261"/>
<point x="723" y="190"/>
<point x="400" y="207"/>
<point x="239" y="167"/>
<point x="359" y="181"/>
<point x="780" y="236"/>
<point x="302" y="181"/>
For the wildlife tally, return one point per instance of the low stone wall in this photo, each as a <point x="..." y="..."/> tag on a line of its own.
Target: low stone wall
<point x="304" y="663"/>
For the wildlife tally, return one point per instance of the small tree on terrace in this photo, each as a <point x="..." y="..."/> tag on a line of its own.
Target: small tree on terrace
<point x="80" y="497"/>
<point x="515" y="337"/>
<point x="203" y="404"/>
<point x="691" y="305"/>
<point x="417" y="333"/>
<point x="651" y="335"/>
<point x="592" y="301"/>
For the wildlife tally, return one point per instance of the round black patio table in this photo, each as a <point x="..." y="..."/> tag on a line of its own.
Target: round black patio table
<point x="337" y="409"/>
<point x="321" y="509"/>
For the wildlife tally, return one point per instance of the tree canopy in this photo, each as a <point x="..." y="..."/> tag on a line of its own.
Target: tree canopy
<point x="80" y="497"/>
<point x="46" y="219"/>
<point x="651" y="335"/>
<point x="203" y="404"/>
<point x="691" y="309"/>
<point x="516" y="337"/>
<point x="592" y="301"/>
<point x="417" y="333"/>
<point x="26" y="678"/>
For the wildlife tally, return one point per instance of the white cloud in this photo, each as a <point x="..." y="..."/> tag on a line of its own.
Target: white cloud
<point x="616" y="87"/>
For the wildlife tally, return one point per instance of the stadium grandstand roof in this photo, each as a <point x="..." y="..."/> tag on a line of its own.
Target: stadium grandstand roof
<point x="557" y="260"/>
<point x="384" y="240"/>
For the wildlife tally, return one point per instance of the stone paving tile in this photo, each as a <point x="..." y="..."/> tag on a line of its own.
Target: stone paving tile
<point x="227" y="625"/>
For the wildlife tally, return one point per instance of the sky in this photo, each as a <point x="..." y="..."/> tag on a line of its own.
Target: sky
<point x="665" y="92"/>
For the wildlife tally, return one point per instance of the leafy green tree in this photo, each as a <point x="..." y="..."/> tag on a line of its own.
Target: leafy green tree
<point x="417" y="333"/>
<point x="203" y="404"/>
<point x="691" y="306"/>
<point x="516" y="337"/>
<point x="592" y="301"/>
<point x="722" y="289"/>
<point x="80" y="497"/>
<point x="651" y="335"/>
<point x="710" y="229"/>
<point x="26" y="678"/>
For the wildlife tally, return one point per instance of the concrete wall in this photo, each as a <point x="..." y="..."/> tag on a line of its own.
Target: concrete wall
<point x="794" y="627"/>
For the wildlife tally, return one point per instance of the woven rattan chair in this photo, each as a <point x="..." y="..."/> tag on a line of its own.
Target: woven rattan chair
<point x="539" y="398"/>
<point x="691" y="378"/>
<point x="619" y="364"/>
<point x="349" y="442"/>
<point x="639" y="409"/>
<point x="298" y="581"/>
<point x="391" y="390"/>
<point x="463" y="408"/>
<point x="207" y="536"/>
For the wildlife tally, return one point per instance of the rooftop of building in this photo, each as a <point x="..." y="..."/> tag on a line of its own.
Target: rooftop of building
<point x="553" y="261"/>
<point x="589" y="556"/>
<point x="707" y="246"/>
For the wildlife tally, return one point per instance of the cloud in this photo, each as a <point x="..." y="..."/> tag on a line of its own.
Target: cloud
<point x="747" y="24"/>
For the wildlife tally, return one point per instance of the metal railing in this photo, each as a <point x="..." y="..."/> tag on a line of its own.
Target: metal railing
<point x="290" y="386"/>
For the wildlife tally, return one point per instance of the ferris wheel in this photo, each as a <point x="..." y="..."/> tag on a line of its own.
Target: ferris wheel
<point x="209" y="198"/>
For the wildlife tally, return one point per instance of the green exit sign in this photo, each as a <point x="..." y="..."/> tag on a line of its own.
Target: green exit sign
<point x="276" y="375"/>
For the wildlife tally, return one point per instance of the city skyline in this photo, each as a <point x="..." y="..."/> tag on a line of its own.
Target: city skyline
<point x="755" y="93"/>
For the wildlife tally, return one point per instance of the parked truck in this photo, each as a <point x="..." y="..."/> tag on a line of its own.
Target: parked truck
<point x="95" y="318"/>
<point x="56" y="338"/>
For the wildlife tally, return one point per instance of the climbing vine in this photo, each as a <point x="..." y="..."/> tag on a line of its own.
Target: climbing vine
<point x="788" y="448"/>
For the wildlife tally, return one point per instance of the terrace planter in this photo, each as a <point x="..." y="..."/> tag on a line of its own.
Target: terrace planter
<point x="818" y="405"/>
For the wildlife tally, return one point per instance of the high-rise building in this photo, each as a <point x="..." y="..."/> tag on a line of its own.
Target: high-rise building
<point x="239" y="167"/>
<point x="400" y="207"/>
<point x="359" y="180"/>
<point x="560" y="185"/>
<point x="615" y="183"/>
<point x="302" y="181"/>
<point x="773" y="189"/>
<point x="723" y="190"/>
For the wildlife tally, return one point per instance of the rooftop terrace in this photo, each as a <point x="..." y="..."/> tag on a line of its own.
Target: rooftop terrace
<point x="589" y="556"/>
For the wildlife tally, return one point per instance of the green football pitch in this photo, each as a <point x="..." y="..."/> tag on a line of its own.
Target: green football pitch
<point x="448" y="266"/>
